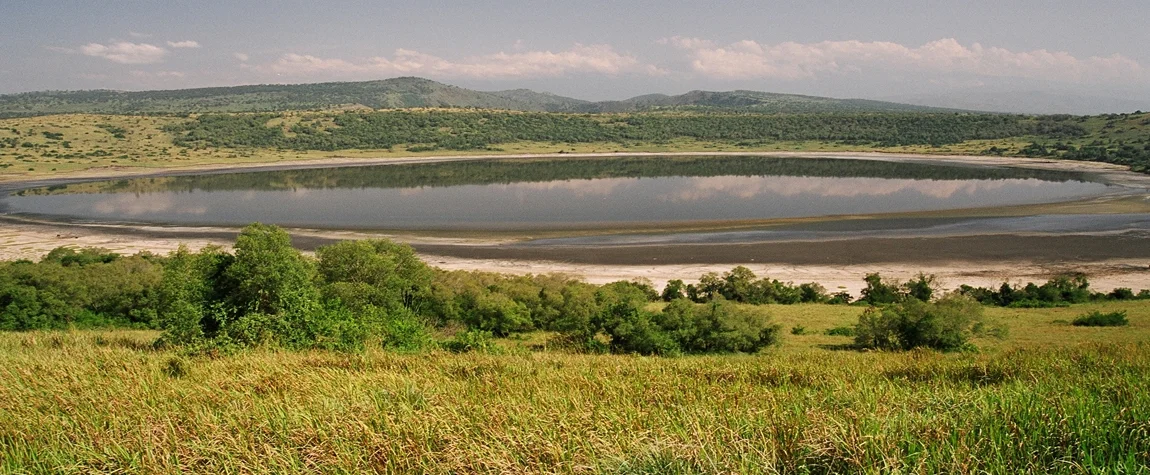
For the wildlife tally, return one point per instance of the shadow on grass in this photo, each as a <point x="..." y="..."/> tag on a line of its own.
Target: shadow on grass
<point x="840" y="347"/>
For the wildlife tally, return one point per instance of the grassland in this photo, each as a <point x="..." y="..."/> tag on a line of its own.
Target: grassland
<point x="57" y="145"/>
<point x="1050" y="398"/>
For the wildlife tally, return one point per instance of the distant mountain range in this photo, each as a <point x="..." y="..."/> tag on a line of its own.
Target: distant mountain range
<point x="411" y="92"/>
<point x="1027" y="102"/>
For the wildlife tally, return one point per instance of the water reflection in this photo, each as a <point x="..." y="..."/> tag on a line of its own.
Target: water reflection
<point x="554" y="204"/>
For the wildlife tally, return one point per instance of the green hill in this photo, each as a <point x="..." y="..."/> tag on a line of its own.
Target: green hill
<point x="407" y="92"/>
<point x="757" y="102"/>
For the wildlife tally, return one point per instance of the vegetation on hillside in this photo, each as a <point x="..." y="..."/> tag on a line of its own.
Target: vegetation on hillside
<point x="456" y="130"/>
<point x="405" y="92"/>
<point x="56" y="144"/>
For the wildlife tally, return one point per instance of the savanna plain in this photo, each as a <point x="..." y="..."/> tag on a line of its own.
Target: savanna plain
<point x="358" y="356"/>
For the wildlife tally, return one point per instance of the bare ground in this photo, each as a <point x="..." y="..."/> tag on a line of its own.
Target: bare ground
<point x="1110" y="261"/>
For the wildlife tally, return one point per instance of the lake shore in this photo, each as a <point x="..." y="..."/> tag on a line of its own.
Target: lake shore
<point x="1111" y="260"/>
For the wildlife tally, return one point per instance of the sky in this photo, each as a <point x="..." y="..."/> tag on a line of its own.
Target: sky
<point x="587" y="49"/>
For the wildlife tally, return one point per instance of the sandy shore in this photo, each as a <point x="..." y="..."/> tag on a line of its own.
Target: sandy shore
<point x="836" y="265"/>
<point x="1110" y="261"/>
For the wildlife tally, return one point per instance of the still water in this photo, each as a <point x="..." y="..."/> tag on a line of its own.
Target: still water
<point x="526" y="194"/>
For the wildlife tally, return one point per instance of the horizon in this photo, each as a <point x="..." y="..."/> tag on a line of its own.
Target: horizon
<point x="890" y="50"/>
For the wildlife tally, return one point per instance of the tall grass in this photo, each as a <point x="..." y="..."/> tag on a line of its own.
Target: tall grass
<point x="84" y="402"/>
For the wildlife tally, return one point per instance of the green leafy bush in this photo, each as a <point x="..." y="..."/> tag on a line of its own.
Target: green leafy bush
<point x="718" y="326"/>
<point x="946" y="325"/>
<point x="1099" y="319"/>
<point x="840" y="331"/>
<point x="478" y="341"/>
<point x="406" y="332"/>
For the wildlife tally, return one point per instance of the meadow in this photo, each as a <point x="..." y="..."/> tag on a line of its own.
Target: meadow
<point x="1048" y="398"/>
<point x="1045" y="396"/>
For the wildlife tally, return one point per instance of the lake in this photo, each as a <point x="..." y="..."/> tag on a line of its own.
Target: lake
<point x="549" y="194"/>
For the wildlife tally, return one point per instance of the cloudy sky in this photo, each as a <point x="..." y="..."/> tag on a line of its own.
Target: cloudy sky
<point x="586" y="49"/>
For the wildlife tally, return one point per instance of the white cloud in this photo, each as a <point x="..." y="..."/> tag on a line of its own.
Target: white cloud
<point x="124" y="52"/>
<point x="135" y="34"/>
<point x="241" y="56"/>
<point x="184" y="44"/>
<point x="749" y="59"/>
<point x="159" y="74"/>
<point x="597" y="59"/>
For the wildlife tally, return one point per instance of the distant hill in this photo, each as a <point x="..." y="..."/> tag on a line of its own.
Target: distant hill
<point x="755" y="101"/>
<point x="408" y="92"/>
<point x="1028" y="102"/>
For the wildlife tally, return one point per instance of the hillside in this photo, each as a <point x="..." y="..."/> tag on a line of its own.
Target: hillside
<point x="407" y="92"/>
<point x="51" y="144"/>
<point x="754" y="101"/>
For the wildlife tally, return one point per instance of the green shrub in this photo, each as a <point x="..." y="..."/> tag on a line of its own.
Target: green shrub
<point x="812" y="292"/>
<point x="798" y="330"/>
<point x="378" y="273"/>
<point x="945" y="325"/>
<point x="840" y="298"/>
<point x="478" y="341"/>
<point x="406" y="332"/>
<point x="840" y="331"/>
<point x="880" y="292"/>
<point x="718" y="326"/>
<point x="1122" y="293"/>
<point x="673" y="290"/>
<point x="1099" y="319"/>
<point x="498" y="314"/>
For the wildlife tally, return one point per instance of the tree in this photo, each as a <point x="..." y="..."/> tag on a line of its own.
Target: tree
<point x="273" y="296"/>
<point x="878" y="292"/>
<point x="376" y="273"/>
<point x="269" y="275"/>
<point x="673" y="290"/>
<point x="710" y="285"/>
<point x="738" y="284"/>
<point x="921" y="287"/>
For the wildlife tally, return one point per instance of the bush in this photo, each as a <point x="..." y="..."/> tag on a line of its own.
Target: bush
<point x="378" y="273"/>
<point x="1121" y="293"/>
<point x="813" y="293"/>
<point x="86" y="288"/>
<point x="674" y="290"/>
<point x="840" y="298"/>
<point x="478" y="341"/>
<point x="407" y="333"/>
<point x="498" y="314"/>
<point x="1060" y="291"/>
<point x="1099" y="319"/>
<point x="945" y="325"/>
<point x="840" y="331"/>
<point x="879" y="292"/>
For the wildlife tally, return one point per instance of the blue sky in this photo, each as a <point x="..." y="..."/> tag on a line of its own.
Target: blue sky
<point x="586" y="49"/>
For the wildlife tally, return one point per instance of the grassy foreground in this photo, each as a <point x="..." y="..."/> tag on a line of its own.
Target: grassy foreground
<point x="1050" y="398"/>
